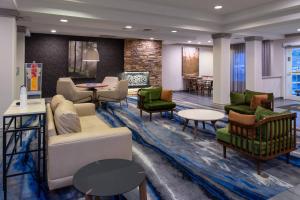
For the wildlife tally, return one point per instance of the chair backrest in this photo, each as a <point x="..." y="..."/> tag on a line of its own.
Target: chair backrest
<point x="122" y="88"/>
<point x="110" y="80"/>
<point x="66" y="87"/>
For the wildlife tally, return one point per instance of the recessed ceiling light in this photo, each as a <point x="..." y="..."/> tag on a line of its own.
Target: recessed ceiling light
<point x="174" y="31"/>
<point x="209" y="41"/>
<point x="189" y="41"/>
<point x="199" y="42"/>
<point x="53" y="31"/>
<point x="63" y="20"/>
<point x="128" y="27"/>
<point x="218" y="7"/>
<point x="298" y="29"/>
<point x="152" y="38"/>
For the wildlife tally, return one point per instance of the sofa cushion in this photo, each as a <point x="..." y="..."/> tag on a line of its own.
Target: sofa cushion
<point x="262" y="112"/>
<point x="55" y="101"/>
<point x="249" y="94"/>
<point x="145" y="94"/>
<point x="92" y="123"/>
<point x="237" y="98"/>
<point x="243" y="119"/>
<point x="257" y="100"/>
<point x="154" y="93"/>
<point x="244" y="109"/>
<point x="166" y="95"/>
<point x="66" y="118"/>
<point x="159" y="105"/>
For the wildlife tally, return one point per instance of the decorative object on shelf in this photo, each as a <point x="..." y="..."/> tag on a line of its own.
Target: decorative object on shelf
<point x="190" y="61"/>
<point x="33" y="78"/>
<point x="83" y="59"/>
<point x="23" y="97"/>
<point x="136" y="79"/>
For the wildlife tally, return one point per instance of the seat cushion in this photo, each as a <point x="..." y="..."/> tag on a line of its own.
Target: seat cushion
<point x="92" y="122"/>
<point x="55" y="101"/>
<point x="66" y="118"/>
<point x="159" y="105"/>
<point x="244" y="109"/>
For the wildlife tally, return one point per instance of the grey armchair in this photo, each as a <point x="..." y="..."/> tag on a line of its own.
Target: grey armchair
<point x="117" y="94"/>
<point x="66" y="87"/>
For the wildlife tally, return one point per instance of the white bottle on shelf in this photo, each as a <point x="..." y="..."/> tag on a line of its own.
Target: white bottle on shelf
<point x="23" y="96"/>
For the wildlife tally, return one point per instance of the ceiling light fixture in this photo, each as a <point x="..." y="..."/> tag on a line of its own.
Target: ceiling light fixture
<point x="218" y="7"/>
<point x="174" y="31"/>
<point x="298" y="29"/>
<point x="64" y="20"/>
<point x="209" y="41"/>
<point x="189" y="41"/>
<point x="128" y="27"/>
<point x="53" y="31"/>
<point x="199" y="42"/>
<point x="152" y="38"/>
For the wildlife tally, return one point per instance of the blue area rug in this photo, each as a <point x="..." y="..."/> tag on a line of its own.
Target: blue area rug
<point x="201" y="158"/>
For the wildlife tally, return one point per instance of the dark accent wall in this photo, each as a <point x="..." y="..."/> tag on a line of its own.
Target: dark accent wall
<point x="52" y="51"/>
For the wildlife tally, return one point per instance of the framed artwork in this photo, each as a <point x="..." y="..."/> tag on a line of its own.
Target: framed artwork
<point x="33" y="78"/>
<point x="190" y="61"/>
<point x="77" y="67"/>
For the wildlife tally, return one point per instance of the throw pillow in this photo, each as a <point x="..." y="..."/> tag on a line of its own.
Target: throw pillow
<point x="257" y="100"/>
<point x="66" y="118"/>
<point x="243" y="119"/>
<point x="237" y="98"/>
<point x="262" y="112"/>
<point x="55" y="101"/>
<point x="166" y="95"/>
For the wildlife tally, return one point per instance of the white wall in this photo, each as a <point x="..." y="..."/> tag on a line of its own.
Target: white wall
<point x="20" y="63"/>
<point x="172" y="65"/>
<point x="8" y="62"/>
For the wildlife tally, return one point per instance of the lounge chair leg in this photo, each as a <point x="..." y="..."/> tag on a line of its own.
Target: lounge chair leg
<point x="150" y="116"/>
<point x="258" y="167"/>
<point x="287" y="158"/>
<point x="172" y="114"/>
<point x="121" y="104"/>
<point x="161" y="114"/>
<point x="141" y="112"/>
<point x="224" y="151"/>
<point x="126" y="101"/>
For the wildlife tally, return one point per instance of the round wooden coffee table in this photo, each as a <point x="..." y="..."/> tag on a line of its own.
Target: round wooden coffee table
<point x="110" y="178"/>
<point x="203" y="115"/>
<point x="93" y="87"/>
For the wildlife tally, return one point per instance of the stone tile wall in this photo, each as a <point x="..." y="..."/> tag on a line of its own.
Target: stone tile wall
<point x="144" y="55"/>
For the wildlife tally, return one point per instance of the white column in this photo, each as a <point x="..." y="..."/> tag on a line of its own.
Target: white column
<point x="8" y="32"/>
<point x="254" y="63"/>
<point x="20" y="60"/>
<point x="221" y="61"/>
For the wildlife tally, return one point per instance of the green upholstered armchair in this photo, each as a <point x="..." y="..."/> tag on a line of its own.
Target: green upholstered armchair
<point x="274" y="135"/>
<point x="240" y="102"/>
<point x="149" y="100"/>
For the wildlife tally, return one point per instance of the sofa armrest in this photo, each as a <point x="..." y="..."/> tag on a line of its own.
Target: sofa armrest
<point x="85" y="109"/>
<point x="67" y="153"/>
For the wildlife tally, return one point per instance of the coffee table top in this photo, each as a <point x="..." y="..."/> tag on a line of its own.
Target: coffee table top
<point x="109" y="177"/>
<point x="91" y="85"/>
<point x="201" y="114"/>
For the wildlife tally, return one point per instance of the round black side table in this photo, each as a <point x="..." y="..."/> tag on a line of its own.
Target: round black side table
<point x="112" y="177"/>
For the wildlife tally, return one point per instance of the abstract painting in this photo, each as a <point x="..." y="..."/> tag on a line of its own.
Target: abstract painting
<point x="190" y="61"/>
<point x="77" y="67"/>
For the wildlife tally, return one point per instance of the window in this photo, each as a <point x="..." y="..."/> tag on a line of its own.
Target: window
<point x="238" y="71"/>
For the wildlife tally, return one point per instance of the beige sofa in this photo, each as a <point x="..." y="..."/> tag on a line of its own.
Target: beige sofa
<point x="67" y="153"/>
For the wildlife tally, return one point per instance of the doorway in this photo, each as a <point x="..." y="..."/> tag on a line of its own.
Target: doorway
<point x="292" y="90"/>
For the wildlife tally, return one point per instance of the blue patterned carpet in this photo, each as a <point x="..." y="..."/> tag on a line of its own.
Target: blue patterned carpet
<point x="177" y="165"/>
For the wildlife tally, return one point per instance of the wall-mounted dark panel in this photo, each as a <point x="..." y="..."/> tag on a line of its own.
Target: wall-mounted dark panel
<point x="52" y="51"/>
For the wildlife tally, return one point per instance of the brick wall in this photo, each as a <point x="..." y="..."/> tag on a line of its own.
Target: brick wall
<point x="144" y="55"/>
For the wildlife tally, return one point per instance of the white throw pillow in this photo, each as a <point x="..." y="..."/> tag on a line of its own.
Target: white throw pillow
<point x="66" y="118"/>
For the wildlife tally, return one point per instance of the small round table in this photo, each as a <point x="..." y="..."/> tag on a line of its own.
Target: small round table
<point x="93" y="87"/>
<point x="112" y="177"/>
<point x="200" y="115"/>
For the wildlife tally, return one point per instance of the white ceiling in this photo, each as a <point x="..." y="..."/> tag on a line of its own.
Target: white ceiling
<point x="195" y="20"/>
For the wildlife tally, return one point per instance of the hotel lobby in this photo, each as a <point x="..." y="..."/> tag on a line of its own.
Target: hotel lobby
<point x="149" y="99"/>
